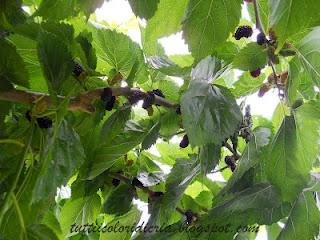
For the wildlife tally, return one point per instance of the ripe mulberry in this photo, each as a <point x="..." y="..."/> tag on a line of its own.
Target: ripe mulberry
<point x="233" y="167"/>
<point x="44" y="122"/>
<point x="28" y="115"/>
<point x="110" y="104"/>
<point x="229" y="160"/>
<point x="184" y="142"/>
<point x="243" y="31"/>
<point x="178" y="110"/>
<point x="115" y="182"/>
<point x="158" y="92"/>
<point x="148" y="100"/>
<point x="106" y="95"/>
<point x="77" y="69"/>
<point x="136" y="97"/>
<point x="261" y="39"/>
<point x="136" y="183"/>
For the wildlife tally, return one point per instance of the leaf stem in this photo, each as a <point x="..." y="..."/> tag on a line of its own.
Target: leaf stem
<point x="16" y="178"/>
<point x="20" y="216"/>
<point x="12" y="141"/>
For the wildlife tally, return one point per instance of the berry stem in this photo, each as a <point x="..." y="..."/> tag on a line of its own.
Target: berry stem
<point x="258" y="21"/>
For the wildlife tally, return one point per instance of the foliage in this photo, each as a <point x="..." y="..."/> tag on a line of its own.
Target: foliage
<point x="77" y="147"/>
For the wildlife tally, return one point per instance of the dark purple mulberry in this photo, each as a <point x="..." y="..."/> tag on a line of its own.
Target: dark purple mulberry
<point x="243" y="31"/>
<point x="44" y="122"/>
<point x="184" y="142"/>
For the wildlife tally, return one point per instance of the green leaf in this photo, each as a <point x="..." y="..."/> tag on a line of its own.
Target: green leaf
<point x="209" y="157"/>
<point x="119" y="51"/>
<point x="144" y="8"/>
<point x="171" y="90"/>
<point x="27" y="49"/>
<point x="56" y="9"/>
<point x="85" y="39"/>
<point x="299" y="83"/>
<point x="166" y="66"/>
<point x="250" y="58"/>
<point x="247" y="85"/>
<point x="260" y="196"/>
<point x="157" y="27"/>
<point x="12" y="67"/>
<point x="181" y="175"/>
<point x="107" y="154"/>
<point x="169" y="153"/>
<point x="291" y="154"/>
<point x="11" y="12"/>
<point x="152" y="137"/>
<point x="207" y="69"/>
<point x="203" y="107"/>
<point x="119" y="201"/>
<point x="89" y="6"/>
<point x="129" y="219"/>
<point x="40" y="231"/>
<point x="250" y="158"/>
<point x="55" y="59"/>
<point x="60" y="161"/>
<point x="290" y="17"/>
<point x="79" y="211"/>
<point x="303" y="221"/>
<point x="169" y="123"/>
<point x="209" y="23"/>
<point x="309" y="54"/>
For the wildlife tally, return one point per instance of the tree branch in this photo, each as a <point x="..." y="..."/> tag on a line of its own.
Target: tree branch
<point x="82" y="103"/>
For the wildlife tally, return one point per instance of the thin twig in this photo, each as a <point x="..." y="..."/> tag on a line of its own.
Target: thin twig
<point x="235" y="154"/>
<point x="128" y="181"/>
<point x="220" y="170"/>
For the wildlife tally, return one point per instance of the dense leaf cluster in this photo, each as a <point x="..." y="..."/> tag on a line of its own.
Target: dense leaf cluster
<point x="55" y="56"/>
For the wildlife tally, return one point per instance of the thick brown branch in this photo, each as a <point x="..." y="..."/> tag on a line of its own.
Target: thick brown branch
<point x="82" y="102"/>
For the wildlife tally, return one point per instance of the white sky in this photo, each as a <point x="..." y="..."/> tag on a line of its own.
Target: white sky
<point x="118" y="12"/>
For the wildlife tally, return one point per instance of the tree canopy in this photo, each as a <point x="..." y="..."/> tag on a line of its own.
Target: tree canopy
<point x="91" y="121"/>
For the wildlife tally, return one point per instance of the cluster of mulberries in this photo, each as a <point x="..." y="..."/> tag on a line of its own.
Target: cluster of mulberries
<point x="108" y="98"/>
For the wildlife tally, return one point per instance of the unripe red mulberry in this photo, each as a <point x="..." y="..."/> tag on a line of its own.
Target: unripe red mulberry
<point x="255" y="73"/>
